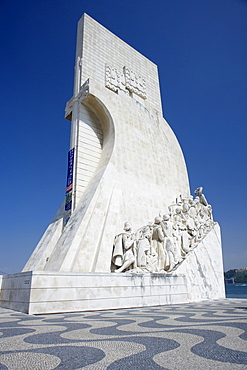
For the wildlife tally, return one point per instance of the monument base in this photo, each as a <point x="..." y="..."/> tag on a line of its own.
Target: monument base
<point x="38" y="292"/>
<point x="200" y="277"/>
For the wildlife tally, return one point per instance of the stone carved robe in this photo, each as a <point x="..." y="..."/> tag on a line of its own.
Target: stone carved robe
<point x="158" y="239"/>
<point x="117" y="255"/>
<point x="122" y="249"/>
<point x="169" y="244"/>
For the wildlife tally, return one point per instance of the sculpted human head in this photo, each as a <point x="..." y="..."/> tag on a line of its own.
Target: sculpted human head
<point x="166" y="217"/>
<point x="196" y="200"/>
<point x="157" y="220"/>
<point x="186" y="206"/>
<point x="127" y="226"/>
<point x="198" y="190"/>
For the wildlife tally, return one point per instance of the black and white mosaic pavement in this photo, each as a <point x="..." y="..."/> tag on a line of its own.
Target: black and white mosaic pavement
<point x="205" y="335"/>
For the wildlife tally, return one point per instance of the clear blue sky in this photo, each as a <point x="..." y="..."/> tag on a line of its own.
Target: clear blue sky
<point x="200" y="47"/>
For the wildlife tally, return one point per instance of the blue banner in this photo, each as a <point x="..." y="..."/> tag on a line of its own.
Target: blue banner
<point x="69" y="185"/>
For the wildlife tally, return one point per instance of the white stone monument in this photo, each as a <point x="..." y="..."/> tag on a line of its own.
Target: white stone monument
<point x="125" y="167"/>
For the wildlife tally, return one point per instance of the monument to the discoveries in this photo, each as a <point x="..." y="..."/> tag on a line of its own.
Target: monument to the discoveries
<point x="125" y="171"/>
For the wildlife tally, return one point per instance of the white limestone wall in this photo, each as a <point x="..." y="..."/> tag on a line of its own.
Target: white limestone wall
<point x="198" y="278"/>
<point x="140" y="176"/>
<point x="97" y="46"/>
<point x="50" y="292"/>
<point x="15" y="291"/>
<point x="128" y="167"/>
<point x="203" y="269"/>
<point x="140" y="170"/>
<point x="47" y="243"/>
<point x="88" y="147"/>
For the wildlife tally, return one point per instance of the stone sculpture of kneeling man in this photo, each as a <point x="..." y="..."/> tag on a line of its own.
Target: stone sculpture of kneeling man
<point x="123" y="251"/>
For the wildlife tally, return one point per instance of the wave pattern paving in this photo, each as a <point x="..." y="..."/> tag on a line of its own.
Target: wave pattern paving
<point x="205" y="335"/>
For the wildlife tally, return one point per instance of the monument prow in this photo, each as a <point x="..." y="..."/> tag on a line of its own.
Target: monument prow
<point x="124" y="164"/>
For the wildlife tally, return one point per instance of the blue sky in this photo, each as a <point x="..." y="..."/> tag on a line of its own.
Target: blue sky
<point x="200" y="47"/>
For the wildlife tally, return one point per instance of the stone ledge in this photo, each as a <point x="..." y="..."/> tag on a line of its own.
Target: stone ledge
<point x="89" y="291"/>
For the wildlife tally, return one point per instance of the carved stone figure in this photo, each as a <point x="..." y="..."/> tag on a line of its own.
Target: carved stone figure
<point x="143" y="245"/>
<point x="201" y="196"/>
<point x="123" y="251"/>
<point x="181" y="228"/>
<point x="146" y="255"/>
<point x="158" y="239"/>
<point x="169" y="242"/>
<point x="162" y="246"/>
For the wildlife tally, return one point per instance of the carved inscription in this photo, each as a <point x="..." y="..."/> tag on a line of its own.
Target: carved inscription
<point x="125" y="80"/>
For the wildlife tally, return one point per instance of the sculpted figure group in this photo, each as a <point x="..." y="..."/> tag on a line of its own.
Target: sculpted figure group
<point x="162" y="245"/>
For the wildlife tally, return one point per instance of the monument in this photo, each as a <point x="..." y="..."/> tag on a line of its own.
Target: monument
<point x="126" y="170"/>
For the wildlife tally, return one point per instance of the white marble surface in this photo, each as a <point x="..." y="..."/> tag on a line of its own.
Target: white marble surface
<point x="140" y="171"/>
<point x="67" y="292"/>
<point x="199" y="277"/>
<point x="140" y="167"/>
<point x="15" y="291"/>
<point x="203" y="269"/>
